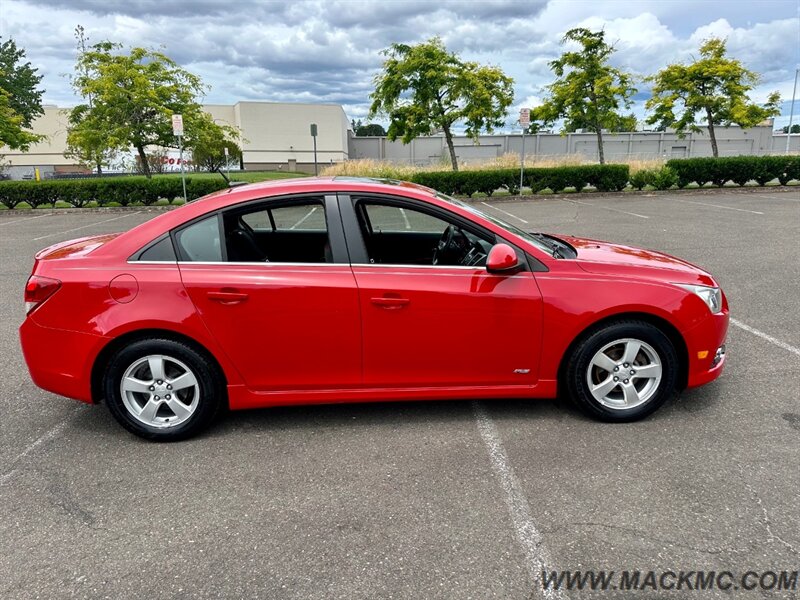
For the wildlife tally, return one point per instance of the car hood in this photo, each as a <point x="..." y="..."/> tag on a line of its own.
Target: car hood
<point x="618" y="259"/>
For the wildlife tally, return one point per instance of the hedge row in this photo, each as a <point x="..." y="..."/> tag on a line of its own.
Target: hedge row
<point x="738" y="169"/>
<point x="605" y="178"/>
<point x="104" y="191"/>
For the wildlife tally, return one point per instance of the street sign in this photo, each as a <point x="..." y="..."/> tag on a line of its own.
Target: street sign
<point x="524" y="116"/>
<point x="177" y="125"/>
<point x="313" y="130"/>
<point x="225" y="149"/>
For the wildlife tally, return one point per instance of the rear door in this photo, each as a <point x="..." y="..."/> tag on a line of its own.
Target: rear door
<point x="287" y="324"/>
<point x="433" y="326"/>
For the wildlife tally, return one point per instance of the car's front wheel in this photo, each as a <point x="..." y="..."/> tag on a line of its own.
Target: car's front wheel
<point x="623" y="371"/>
<point x="163" y="390"/>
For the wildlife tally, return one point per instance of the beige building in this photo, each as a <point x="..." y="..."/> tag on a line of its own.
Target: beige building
<point x="276" y="136"/>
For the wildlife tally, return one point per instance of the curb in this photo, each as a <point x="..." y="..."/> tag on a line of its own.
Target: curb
<point x="98" y="209"/>
<point x="752" y="190"/>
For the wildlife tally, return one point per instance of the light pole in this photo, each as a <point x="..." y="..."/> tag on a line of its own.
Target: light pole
<point x="314" y="137"/>
<point x="791" y="111"/>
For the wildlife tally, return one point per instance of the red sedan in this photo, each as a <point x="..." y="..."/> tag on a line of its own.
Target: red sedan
<point x="352" y="290"/>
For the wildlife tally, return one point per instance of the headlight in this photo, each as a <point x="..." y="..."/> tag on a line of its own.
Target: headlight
<point x="712" y="296"/>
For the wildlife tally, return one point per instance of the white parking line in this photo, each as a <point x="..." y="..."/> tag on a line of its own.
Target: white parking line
<point x="25" y="219"/>
<point x="528" y="536"/>
<point x="504" y="212"/>
<point x="766" y="336"/>
<point x="301" y="221"/>
<point x="42" y="237"/>
<point x="606" y="208"/>
<point x="31" y="447"/>
<point x="405" y="218"/>
<point x="755" y="212"/>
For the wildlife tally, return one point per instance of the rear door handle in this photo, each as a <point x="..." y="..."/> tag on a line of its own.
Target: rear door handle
<point x="225" y="297"/>
<point x="390" y="303"/>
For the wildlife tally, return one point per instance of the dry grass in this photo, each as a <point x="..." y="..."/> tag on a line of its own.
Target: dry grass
<point x="368" y="167"/>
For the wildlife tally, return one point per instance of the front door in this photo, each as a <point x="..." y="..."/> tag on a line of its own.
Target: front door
<point x="448" y="324"/>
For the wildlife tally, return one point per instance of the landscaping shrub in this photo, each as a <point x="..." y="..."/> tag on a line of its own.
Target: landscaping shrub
<point x="122" y="191"/>
<point x="661" y="179"/>
<point x="602" y="177"/>
<point x="738" y="169"/>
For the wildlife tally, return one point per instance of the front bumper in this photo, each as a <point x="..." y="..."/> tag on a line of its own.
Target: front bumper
<point x="60" y="361"/>
<point x="705" y="344"/>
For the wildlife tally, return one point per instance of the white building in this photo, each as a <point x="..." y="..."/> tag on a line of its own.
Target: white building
<point x="275" y="135"/>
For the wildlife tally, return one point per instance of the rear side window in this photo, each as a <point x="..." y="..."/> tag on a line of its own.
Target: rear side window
<point x="200" y="241"/>
<point x="161" y="251"/>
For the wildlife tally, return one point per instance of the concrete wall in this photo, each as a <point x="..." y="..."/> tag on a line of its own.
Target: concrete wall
<point x="732" y="141"/>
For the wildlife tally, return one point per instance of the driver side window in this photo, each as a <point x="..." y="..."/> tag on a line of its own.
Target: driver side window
<point x="399" y="235"/>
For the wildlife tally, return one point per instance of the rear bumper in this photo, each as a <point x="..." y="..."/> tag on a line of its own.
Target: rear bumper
<point x="60" y="361"/>
<point x="702" y="343"/>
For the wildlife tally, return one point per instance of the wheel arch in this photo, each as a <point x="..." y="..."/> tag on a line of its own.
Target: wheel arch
<point x="661" y="323"/>
<point x="101" y="361"/>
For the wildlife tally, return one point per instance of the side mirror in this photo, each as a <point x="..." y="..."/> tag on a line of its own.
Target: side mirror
<point x="502" y="260"/>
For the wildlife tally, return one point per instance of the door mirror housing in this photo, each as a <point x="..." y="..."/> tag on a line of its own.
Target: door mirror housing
<point x="502" y="260"/>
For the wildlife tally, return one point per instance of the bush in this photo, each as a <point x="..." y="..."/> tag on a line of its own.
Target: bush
<point x="642" y="178"/>
<point x="738" y="169"/>
<point x="105" y="191"/>
<point x="602" y="177"/>
<point x="661" y="179"/>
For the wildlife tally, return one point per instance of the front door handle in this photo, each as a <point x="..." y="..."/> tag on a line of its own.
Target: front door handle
<point x="390" y="303"/>
<point x="227" y="297"/>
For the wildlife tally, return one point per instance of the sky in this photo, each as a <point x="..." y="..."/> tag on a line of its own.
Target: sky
<point x="329" y="51"/>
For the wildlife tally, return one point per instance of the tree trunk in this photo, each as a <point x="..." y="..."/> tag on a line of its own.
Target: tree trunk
<point x="714" y="149"/>
<point x="600" y="145"/>
<point x="449" y="138"/>
<point x="143" y="160"/>
<point x="99" y="167"/>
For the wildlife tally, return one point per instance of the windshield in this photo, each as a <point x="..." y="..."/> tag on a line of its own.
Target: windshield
<point x="526" y="235"/>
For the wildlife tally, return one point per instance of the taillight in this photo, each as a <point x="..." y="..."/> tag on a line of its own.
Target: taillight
<point x="38" y="289"/>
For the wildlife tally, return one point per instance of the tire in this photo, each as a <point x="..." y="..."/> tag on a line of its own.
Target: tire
<point x="649" y="379"/>
<point x="138" y="387"/>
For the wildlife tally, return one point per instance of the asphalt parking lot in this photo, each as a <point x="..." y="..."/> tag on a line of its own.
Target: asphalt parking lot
<point x="431" y="499"/>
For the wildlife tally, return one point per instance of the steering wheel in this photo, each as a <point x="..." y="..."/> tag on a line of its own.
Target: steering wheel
<point x="452" y="242"/>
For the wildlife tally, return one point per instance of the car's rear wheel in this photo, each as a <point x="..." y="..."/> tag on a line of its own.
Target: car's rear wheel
<point x="622" y="371"/>
<point x="163" y="390"/>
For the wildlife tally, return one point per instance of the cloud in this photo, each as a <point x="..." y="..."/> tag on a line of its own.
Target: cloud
<point x="329" y="51"/>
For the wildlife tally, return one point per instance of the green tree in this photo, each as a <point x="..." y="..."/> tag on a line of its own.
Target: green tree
<point x="369" y="129"/>
<point x="133" y="97"/>
<point x="424" y="88"/>
<point x="588" y="92"/>
<point x="795" y="128"/>
<point x="20" y="98"/>
<point x="94" y="152"/>
<point x="714" y="86"/>
<point x="209" y="143"/>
